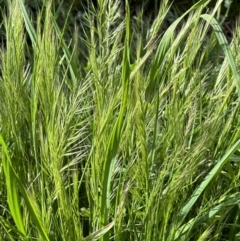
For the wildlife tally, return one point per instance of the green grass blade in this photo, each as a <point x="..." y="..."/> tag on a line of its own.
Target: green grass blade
<point x="225" y="46"/>
<point x="114" y="141"/>
<point x="162" y="51"/>
<point x="196" y="194"/>
<point x="67" y="55"/>
<point x="99" y="233"/>
<point x="7" y="225"/>
<point x="195" y="223"/>
<point x="12" y="191"/>
<point x="30" y="29"/>
<point x="13" y="181"/>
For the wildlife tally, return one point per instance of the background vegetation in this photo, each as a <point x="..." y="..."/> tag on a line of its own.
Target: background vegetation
<point x="118" y="122"/>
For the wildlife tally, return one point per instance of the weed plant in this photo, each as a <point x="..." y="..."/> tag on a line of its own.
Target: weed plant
<point x="120" y="131"/>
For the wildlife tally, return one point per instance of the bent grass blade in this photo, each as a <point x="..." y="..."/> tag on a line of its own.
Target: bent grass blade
<point x="225" y="46"/>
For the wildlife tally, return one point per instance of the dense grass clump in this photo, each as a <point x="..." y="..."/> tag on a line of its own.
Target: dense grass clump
<point x="118" y="128"/>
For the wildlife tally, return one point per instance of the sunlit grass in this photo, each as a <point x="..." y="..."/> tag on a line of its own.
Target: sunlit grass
<point x="133" y="137"/>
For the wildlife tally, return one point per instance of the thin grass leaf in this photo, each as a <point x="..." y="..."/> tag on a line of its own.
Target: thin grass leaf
<point x="99" y="233"/>
<point x="67" y="55"/>
<point x="30" y="29"/>
<point x="12" y="183"/>
<point x="6" y="225"/>
<point x="12" y="191"/>
<point x="225" y="46"/>
<point x="162" y="51"/>
<point x="196" y="194"/>
<point x="196" y="222"/>
<point x="115" y="137"/>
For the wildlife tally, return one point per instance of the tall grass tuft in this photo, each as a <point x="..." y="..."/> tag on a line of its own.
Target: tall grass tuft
<point x="123" y="130"/>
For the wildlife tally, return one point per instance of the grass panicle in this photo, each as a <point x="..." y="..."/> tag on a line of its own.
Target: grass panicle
<point x="118" y="127"/>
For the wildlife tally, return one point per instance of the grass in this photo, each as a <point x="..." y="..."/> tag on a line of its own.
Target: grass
<point x="118" y="130"/>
